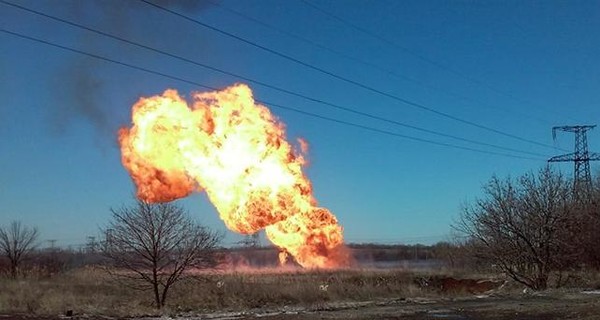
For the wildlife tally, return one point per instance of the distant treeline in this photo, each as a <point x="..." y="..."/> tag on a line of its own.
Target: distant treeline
<point x="55" y="260"/>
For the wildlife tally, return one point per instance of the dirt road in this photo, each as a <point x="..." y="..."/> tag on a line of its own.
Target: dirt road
<point x="546" y="306"/>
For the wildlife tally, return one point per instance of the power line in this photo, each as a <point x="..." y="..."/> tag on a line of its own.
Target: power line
<point x="416" y="55"/>
<point x="397" y="240"/>
<point x="330" y="119"/>
<point x="329" y="104"/>
<point x="344" y="79"/>
<point x="369" y="64"/>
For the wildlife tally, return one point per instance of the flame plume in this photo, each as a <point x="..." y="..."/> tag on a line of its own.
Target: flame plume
<point x="236" y="151"/>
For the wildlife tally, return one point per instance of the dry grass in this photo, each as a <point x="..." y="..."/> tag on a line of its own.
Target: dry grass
<point x="260" y="289"/>
<point x="91" y="291"/>
<point x="85" y="290"/>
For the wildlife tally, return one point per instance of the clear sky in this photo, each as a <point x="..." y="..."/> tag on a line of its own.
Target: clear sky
<point x="519" y="67"/>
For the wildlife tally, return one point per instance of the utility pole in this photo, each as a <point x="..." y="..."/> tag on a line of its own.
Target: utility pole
<point x="52" y="243"/>
<point x="582" y="183"/>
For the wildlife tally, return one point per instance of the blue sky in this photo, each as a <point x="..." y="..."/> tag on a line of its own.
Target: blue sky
<point x="520" y="67"/>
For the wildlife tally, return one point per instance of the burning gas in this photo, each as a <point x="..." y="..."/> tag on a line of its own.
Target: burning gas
<point x="233" y="148"/>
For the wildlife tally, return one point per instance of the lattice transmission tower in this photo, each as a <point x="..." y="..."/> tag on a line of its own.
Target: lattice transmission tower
<point x="582" y="183"/>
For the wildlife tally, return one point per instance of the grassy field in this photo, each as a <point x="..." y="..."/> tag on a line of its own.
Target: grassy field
<point x="91" y="291"/>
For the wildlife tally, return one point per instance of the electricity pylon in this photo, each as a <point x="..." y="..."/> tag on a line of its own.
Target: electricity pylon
<point x="582" y="183"/>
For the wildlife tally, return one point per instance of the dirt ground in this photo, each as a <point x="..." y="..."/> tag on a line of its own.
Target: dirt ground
<point x="546" y="306"/>
<point x="531" y="307"/>
<point x="574" y="305"/>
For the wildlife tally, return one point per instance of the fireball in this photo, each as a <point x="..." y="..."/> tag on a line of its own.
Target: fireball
<point x="231" y="147"/>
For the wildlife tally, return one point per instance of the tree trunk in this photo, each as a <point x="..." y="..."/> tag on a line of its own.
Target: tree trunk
<point x="164" y="295"/>
<point x="14" y="268"/>
<point x="155" y="287"/>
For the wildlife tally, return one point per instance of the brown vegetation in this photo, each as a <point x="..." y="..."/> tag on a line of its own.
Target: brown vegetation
<point x="91" y="291"/>
<point x="533" y="227"/>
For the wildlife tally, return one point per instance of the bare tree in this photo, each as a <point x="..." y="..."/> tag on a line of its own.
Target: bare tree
<point x="155" y="244"/>
<point x="525" y="227"/>
<point x="16" y="242"/>
<point x="590" y="222"/>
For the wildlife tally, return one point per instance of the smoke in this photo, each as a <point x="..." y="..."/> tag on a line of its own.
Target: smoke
<point x="80" y="93"/>
<point x="81" y="86"/>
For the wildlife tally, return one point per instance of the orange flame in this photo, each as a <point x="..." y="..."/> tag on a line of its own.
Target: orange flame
<point x="236" y="150"/>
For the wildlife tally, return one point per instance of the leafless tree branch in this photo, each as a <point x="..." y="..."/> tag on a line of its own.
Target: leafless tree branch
<point x="16" y="242"/>
<point x="156" y="244"/>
